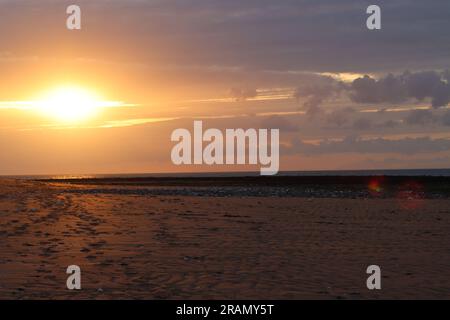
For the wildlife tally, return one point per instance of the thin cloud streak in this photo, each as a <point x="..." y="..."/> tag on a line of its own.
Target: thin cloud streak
<point x="36" y="104"/>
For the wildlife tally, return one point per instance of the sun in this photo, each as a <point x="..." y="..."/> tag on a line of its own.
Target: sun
<point x="70" y="104"/>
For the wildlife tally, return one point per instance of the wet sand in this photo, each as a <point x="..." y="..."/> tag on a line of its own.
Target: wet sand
<point x="134" y="242"/>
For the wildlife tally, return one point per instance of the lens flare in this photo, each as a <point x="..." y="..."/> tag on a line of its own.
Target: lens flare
<point x="375" y="186"/>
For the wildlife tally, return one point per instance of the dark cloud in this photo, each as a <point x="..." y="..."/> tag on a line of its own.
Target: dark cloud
<point x="388" y="89"/>
<point x="325" y="88"/>
<point x="389" y="124"/>
<point x="421" y="85"/>
<point x="278" y="122"/>
<point x="358" y="145"/>
<point x="441" y="94"/>
<point x="400" y="88"/>
<point x="419" y="117"/>
<point x="362" y="124"/>
<point x="341" y="117"/>
<point x="446" y="119"/>
<point x="242" y="39"/>
<point x="392" y="89"/>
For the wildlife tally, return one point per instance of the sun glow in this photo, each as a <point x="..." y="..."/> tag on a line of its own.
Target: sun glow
<point x="72" y="104"/>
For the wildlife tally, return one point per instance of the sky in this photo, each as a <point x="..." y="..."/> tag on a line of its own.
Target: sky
<point x="343" y="97"/>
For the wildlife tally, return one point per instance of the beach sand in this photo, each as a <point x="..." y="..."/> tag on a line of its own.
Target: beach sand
<point x="133" y="245"/>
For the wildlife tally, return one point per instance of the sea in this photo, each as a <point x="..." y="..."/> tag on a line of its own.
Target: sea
<point x="381" y="172"/>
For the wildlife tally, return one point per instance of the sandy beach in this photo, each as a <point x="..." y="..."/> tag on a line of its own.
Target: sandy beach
<point x="134" y="243"/>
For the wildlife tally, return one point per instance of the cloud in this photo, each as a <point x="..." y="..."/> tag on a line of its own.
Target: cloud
<point x="353" y="144"/>
<point x="388" y="89"/>
<point x="389" y="124"/>
<point x="343" y="119"/>
<point x="393" y="89"/>
<point x="446" y="119"/>
<point x="399" y="88"/>
<point x="240" y="94"/>
<point x="419" y="117"/>
<point x="278" y="122"/>
<point x="340" y="117"/>
<point x="421" y="85"/>
<point x="324" y="88"/>
<point x="362" y="124"/>
<point x="6" y="56"/>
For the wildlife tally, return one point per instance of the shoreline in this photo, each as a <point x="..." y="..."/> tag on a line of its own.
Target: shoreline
<point x="278" y="186"/>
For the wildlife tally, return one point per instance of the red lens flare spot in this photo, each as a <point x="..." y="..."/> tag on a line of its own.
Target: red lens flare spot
<point x="376" y="186"/>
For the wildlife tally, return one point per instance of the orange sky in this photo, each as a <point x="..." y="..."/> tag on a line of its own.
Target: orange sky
<point x="153" y="67"/>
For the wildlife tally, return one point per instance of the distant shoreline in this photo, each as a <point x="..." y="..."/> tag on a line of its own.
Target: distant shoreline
<point x="443" y="172"/>
<point x="269" y="186"/>
<point x="424" y="183"/>
<point x="249" y="180"/>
